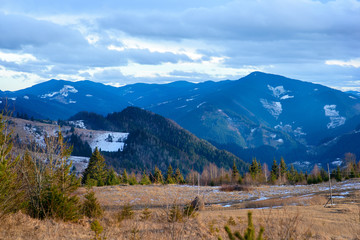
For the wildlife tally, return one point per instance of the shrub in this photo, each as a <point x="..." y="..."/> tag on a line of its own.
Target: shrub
<point x="126" y="212"/>
<point x="97" y="229"/>
<point x="91" y="207"/>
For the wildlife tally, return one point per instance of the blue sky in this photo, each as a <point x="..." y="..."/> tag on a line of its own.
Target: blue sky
<point x="123" y="42"/>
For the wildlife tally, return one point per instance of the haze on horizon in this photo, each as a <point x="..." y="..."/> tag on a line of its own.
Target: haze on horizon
<point x="125" y="42"/>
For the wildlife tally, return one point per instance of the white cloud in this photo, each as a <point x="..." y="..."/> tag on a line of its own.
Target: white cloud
<point x="351" y="63"/>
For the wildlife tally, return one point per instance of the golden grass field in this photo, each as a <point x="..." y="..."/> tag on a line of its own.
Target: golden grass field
<point x="286" y="212"/>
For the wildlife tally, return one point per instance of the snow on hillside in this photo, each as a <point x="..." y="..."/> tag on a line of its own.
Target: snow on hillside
<point x="78" y="124"/>
<point x="274" y="108"/>
<point x="80" y="163"/>
<point x="277" y="91"/>
<point x="63" y="92"/>
<point x="109" y="141"/>
<point x="335" y="119"/>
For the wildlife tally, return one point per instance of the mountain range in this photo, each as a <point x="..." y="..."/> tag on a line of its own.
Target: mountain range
<point x="260" y="115"/>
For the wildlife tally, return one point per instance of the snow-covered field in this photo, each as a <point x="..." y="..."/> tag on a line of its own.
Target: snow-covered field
<point x="108" y="141"/>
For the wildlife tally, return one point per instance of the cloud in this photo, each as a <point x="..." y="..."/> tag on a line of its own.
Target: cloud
<point x="19" y="30"/>
<point x="159" y="41"/>
<point x="351" y="63"/>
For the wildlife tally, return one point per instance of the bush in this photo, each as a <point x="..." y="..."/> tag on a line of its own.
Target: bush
<point x="91" y="207"/>
<point x="97" y="229"/>
<point x="126" y="213"/>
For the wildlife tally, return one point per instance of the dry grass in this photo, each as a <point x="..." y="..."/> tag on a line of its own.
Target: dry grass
<point x="300" y="215"/>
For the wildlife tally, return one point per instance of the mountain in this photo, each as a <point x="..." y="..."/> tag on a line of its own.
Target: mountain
<point x="134" y="139"/>
<point x="260" y="115"/>
<point x="154" y="140"/>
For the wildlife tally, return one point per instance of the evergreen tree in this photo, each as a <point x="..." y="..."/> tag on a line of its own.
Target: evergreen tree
<point x="96" y="169"/>
<point x="158" y="177"/>
<point x="125" y="177"/>
<point x="132" y="179"/>
<point x="338" y="176"/>
<point x="9" y="185"/>
<point x="111" y="178"/>
<point x="235" y="173"/>
<point x="179" y="177"/>
<point x="255" y="169"/>
<point x="169" y="175"/>
<point x="274" y="171"/>
<point x="283" y="169"/>
<point x="145" y="180"/>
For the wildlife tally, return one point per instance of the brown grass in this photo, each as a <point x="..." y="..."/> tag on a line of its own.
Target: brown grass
<point x="298" y="217"/>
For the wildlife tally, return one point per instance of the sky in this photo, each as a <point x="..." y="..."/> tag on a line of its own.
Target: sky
<point x="120" y="42"/>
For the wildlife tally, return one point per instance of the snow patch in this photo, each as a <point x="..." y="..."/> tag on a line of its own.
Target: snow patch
<point x="274" y="108"/>
<point x="200" y="104"/>
<point x="181" y="107"/>
<point x="63" y="92"/>
<point x="13" y="98"/>
<point x="78" y="124"/>
<point x="26" y="97"/>
<point x="88" y="95"/>
<point x="277" y="91"/>
<point x="286" y="97"/>
<point x="335" y="119"/>
<point x="352" y="97"/>
<point x="336" y="163"/>
<point x="72" y="101"/>
<point x="109" y="141"/>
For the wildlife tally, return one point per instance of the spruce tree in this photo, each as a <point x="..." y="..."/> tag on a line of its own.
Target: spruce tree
<point x="158" y="177"/>
<point x="179" y="177"/>
<point x="145" y="179"/>
<point x="169" y="175"/>
<point x="96" y="169"/>
<point x="9" y="185"/>
<point x="283" y="169"/>
<point x="235" y="173"/>
<point x="274" y="171"/>
<point x="125" y="177"/>
<point x="111" y="178"/>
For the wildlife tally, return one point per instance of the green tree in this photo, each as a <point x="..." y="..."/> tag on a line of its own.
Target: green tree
<point x="235" y="173"/>
<point x="145" y="180"/>
<point x="169" y="175"/>
<point x="179" y="177"/>
<point x="274" y="171"/>
<point x="10" y="187"/>
<point x="158" y="177"/>
<point x="112" y="178"/>
<point x="125" y="177"/>
<point x="48" y="183"/>
<point x="338" y="175"/>
<point x="255" y="169"/>
<point x="283" y="169"/>
<point x="91" y="207"/>
<point x="96" y="170"/>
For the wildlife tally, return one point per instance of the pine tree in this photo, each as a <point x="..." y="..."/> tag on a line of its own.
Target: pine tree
<point x="255" y="169"/>
<point x="169" y="175"/>
<point x="96" y="169"/>
<point x="274" y="171"/>
<point x="111" y="178"/>
<point x="235" y="173"/>
<point x="145" y="180"/>
<point x="10" y="190"/>
<point x="125" y="177"/>
<point x="48" y="182"/>
<point x="338" y="176"/>
<point x="158" y="177"/>
<point x="179" y="177"/>
<point x="283" y="169"/>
